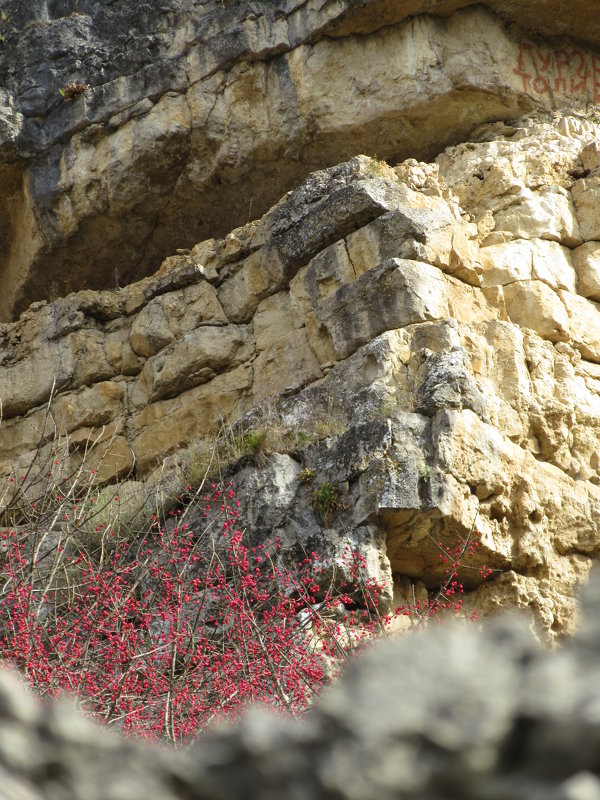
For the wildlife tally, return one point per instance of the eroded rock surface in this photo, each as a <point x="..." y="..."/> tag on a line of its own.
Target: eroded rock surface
<point x="199" y="116"/>
<point x="428" y="333"/>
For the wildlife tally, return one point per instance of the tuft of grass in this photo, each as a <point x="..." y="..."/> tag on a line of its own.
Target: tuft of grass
<point x="255" y="442"/>
<point x="389" y="406"/>
<point x="114" y="514"/>
<point x="326" y="498"/>
<point x="53" y="292"/>
<point x="329" y="427"/>
<point x="266" y="432"/>
<point x="380" y="168"/>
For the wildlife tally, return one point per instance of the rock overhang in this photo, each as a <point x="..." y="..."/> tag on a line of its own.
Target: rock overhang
<point x="209" y="125"/>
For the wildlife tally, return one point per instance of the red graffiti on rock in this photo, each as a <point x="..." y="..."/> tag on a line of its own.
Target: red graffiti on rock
<point x="568" y="71"/>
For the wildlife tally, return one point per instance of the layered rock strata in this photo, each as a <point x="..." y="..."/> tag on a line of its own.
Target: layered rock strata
<point x="210" y="112"/>
<point x="444" y="314"/>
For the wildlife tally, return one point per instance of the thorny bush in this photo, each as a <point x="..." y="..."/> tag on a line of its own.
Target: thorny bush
<point x="168" y="633"/>
<point x="165" y="632"/>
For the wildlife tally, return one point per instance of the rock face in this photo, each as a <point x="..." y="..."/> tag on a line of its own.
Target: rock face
<point x="465" y="714"/>
<point x="429" y="333"/>
<point x="199" y="116"/>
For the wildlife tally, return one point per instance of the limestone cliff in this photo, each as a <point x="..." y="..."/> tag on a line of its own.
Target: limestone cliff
<point x="439" y="316"/>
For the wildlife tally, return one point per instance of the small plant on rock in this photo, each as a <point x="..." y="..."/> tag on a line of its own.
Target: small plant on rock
<point x="306" y="475"/>
<point x="389" y="406"/>
<point x="425" y="472"/>
<point x="73" y="89"/>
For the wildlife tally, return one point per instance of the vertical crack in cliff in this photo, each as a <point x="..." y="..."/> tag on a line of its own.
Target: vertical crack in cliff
<point x="354" y="270"/>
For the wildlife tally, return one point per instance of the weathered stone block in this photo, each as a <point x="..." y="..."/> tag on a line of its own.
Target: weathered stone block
<point x="532" y="304"/>
<point x="195" y="358"/>
<point x="586" y="194"/>
<point x="587" y="263"/>
<point x="392" y="295"/>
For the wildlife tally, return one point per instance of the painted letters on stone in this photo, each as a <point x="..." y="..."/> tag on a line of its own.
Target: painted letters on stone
<point x="566" y="71"/>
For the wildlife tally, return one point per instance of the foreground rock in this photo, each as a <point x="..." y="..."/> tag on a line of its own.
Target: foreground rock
<point x="192" y="119"/>
<point x="450" y="712"/>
